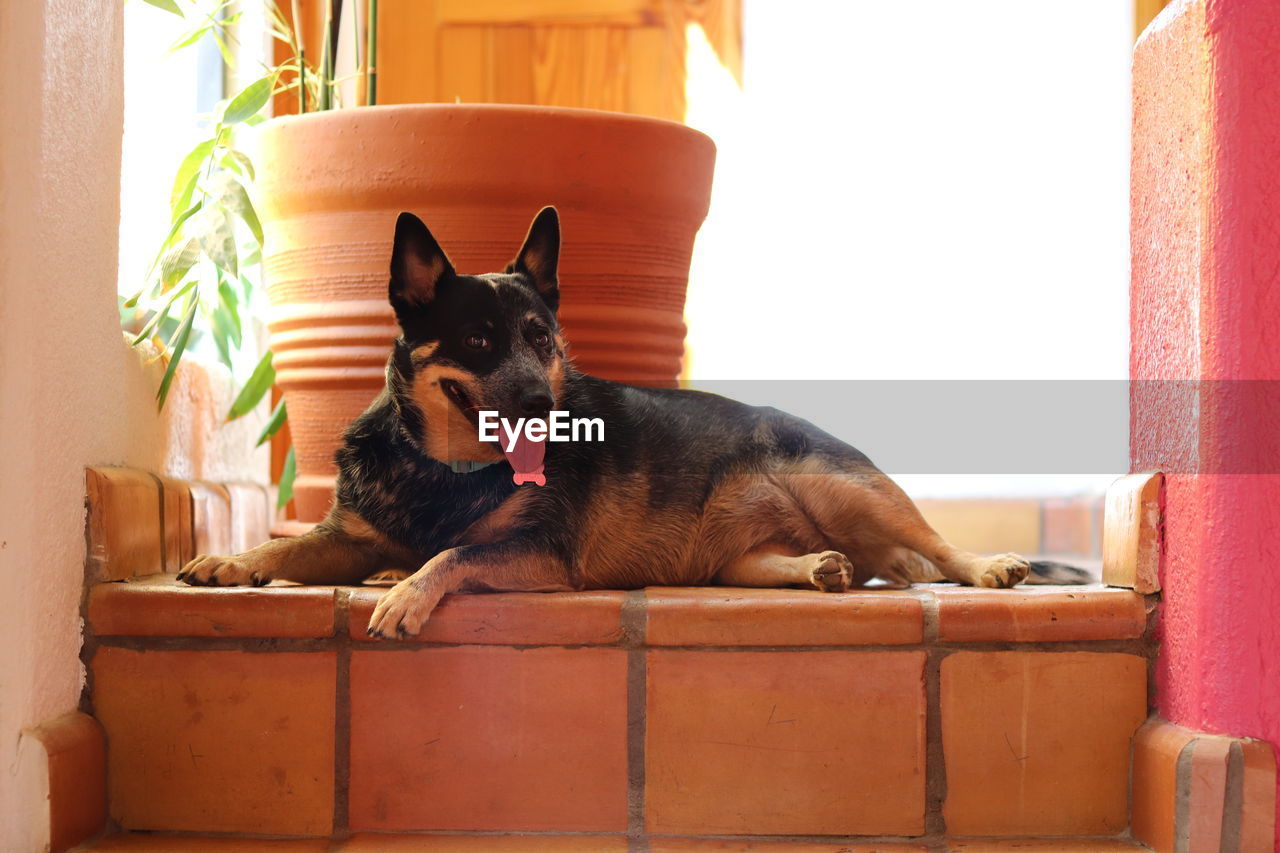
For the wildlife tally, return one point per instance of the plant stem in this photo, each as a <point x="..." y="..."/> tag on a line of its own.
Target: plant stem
<point x="371" y="55"/>
<point x="296" y="26"/>
<point x="332" y="32"/>
<point x="324" y="97"/>
<point x="355" y="33"/>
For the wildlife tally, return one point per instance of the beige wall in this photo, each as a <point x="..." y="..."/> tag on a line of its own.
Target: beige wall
<point x="71" y="392"/>
<point x="60" y="358"/>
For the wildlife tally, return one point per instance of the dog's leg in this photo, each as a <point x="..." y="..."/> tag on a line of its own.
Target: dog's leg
<point x="903" y="523"/>
<point x="871" y="509"/>
<point x="774" y="566"/>
<point x="342" y="550"/>
<point x="497" y="567"/>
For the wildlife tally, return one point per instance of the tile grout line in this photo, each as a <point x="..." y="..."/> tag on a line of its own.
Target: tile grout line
<point x="929" y="608"/>
<point x="1233" y="801"/>
<point x="935" y="771"/>
<point x="342" y="716"/>
<point x="634" y="628"/>
<point x="1182" y="798"/>
<point x="269" y="644"/>
<point x="164" y="545"/>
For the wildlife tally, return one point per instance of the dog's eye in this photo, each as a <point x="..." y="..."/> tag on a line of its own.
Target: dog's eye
<point x="476" y="341"/>
<point x="541" y="339"/>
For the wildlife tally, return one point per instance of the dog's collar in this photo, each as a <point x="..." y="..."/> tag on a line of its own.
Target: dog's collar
<point x="467" y="466"/>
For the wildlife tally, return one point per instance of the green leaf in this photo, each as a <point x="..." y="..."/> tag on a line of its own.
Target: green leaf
<point x="239" y="161"/>
<point x="287" y="476"/>
<point x="221" y="328"/>
<point x="176" y="262"/>
<point x="228" y="58"/>
<point x="245" y="284"/>
<point x="231" y="304"/>
<point x="163" y="314"/>
<point x="264" y="376"/>
<point x="175" y="353"/>
<point x="167" y="5"/>
<point x="278" y="416"/>
<point x="182" y="199"/>
<point x="174" y="229"/>
<point x="218" y="239"/>
<point x="250" y="100"/>
<point x="236" y="199"/>
<point x="184" y="182"/>
<point x="190" y="38"/>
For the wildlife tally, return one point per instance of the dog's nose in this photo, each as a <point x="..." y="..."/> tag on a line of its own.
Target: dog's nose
<point x="535" y="401"/>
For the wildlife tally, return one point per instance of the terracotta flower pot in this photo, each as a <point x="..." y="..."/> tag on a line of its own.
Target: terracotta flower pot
<point x="631" y="191"/>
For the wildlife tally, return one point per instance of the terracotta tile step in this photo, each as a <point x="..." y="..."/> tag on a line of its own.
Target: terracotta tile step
<point x="159" y="606"/>
<point x="673" y="712"/>
<point x="380" y="843"/>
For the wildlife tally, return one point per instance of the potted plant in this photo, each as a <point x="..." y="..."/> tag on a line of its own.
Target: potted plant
<point x="329" y="184"/>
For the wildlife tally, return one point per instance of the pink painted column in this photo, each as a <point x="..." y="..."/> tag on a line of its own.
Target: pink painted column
<point x="1206" y="306"/>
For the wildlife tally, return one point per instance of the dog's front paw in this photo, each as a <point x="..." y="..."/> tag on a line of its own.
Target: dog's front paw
<point x="1002" y="570"/>
<point x="223" y="571"/>
<point x="402" y="612"/>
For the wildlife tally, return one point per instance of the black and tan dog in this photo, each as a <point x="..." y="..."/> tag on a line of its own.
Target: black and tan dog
<point x="687" y="488"/>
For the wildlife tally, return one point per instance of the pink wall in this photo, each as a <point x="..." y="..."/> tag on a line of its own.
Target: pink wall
<point x="1206" y="305"/>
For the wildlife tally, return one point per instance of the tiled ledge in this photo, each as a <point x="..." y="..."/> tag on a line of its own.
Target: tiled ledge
<point x="379" y="843"/>
<point x="936" y="615"/>
<point x="663" y="712"/>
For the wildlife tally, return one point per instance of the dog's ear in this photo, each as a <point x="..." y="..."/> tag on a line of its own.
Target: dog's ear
<point x="539" y="257"/>
<point x="418" y="264"/>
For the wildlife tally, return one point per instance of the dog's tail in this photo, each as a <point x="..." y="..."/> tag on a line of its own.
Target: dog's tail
<point x="1053" y="572"/>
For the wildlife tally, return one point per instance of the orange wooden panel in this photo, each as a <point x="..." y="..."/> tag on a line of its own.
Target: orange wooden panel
<point x="408" y="52"/>
<point x="510" y="69"/>
<point x="549" y="11"/>
<point x="655" y="83"/>
<point x="557" y="67"/>
<point x="624" y="55"/>
<point x="463" y="65"/>
<point x="605" y="68"/>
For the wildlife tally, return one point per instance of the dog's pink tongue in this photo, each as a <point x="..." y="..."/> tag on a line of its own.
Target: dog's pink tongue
<point x="525" y="457"/>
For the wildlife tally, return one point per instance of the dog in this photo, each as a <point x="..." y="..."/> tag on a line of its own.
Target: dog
<point x="686" y="489"/>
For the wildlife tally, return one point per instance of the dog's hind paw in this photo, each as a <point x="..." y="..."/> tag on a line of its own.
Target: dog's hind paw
<point x="222" y="571"/>
<point x="832" y="572"/>
<point x="1002" y="570"/>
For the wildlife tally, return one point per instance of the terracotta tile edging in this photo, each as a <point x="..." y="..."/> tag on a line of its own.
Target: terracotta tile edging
<point x="571" y="618"/>
<point x="1040" y="614"/>
<point x="124" y="534"/>
<point x="1192" y="792"/>
<point x="76" y="753"/>
<point x="1133" y="532"/>
<point x="729" y="617"/>
<point x="159" y="606"/>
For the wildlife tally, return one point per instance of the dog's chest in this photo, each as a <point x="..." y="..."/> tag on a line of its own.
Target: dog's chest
<point x="431" y="512"/>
